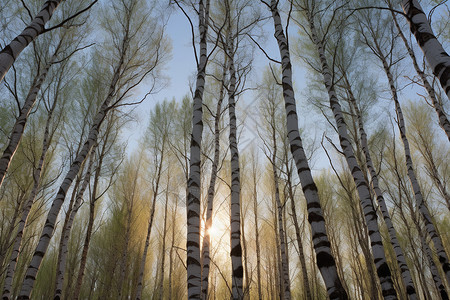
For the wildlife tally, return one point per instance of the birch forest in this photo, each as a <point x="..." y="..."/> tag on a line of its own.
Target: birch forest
<point x="224" y="149"/>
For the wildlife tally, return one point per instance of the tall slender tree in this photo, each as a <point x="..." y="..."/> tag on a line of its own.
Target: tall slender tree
<point x="270" y="111"/>
<point x="106" y="144"/>
<point x="401" y="261"/>
<point x="194" y="185"/>
<point x="254" y="171"/>
<point x="21" y="120"/>
<point x="49" y="132"/>
<point x="325" y="260"/>
<point x="212" y="185"/>
<point x="370" y="215"/>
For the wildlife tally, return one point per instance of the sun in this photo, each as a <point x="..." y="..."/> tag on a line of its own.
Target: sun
<point x="213" y="232"/>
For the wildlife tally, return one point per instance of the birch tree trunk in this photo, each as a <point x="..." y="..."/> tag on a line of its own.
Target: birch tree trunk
<point x="443" y="120"/>
<point x="21" y="121"/>
<point x="401" y="261"/>
<point x="301" y="254"/>
<point x="205" y="258"/>
<point x="47" y="232"/>
<point x="325" y="260"/>
<point x="431" y="229"/>
<point x="65" y="235"/>
<point x="17" y="244"/>
<point x="285" y="286"/>
<point x="383" y="272"/>
<point x="235" y="217"/>
<point x="193" y="185"/>
<point x="37" y="26"/>
<point x="435" y="54"/>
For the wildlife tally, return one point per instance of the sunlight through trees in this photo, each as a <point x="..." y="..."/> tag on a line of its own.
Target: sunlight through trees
<point x="234" y="149"/>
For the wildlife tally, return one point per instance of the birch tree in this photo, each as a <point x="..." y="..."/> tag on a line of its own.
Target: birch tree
<point x="107" y="165"/>
<point x="193" y="184"/>
<point x="254" y="172"/>
<point x="235" y="209"/>
<point x="68" y="222"/>
<point x="19" y="126"/>
<point x="212" y="183"/>
<point x="288" y="169"/>
<point x="401" y="261"/>
<point x="443" y="120"/>
<point x="53" y="104"/>
<point x="325" y="260"/>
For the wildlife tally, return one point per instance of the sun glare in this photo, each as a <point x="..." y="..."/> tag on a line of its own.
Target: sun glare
<point x="213" y="232"/>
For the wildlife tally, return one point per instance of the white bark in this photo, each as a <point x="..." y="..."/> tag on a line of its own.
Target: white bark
<point x="370" y="215"/>
<point x="7" y="289"/>
<point x="325" y="260"/>
<point x="436" y="56"/>
<point x="90" y="225"/>
<point x="37" y="26"/>
<point x="193" y="185"/>
<point x="443" y="120"/>
<point x="211" y="189"/>
<point x="301" y="254"/>
<point x="21" y="121"/>
<point x="235" y="217"/>
<point x="433" y="269"/>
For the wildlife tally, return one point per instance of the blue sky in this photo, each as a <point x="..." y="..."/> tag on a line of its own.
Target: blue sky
<point x="181" y="68"/>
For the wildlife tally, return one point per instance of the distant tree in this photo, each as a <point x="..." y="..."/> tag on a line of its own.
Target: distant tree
<point x="156" y="142"/>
